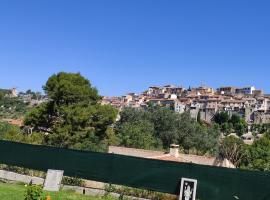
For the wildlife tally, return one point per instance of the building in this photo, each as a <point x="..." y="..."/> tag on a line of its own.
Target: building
<point x="245" y="90"/>
<point x="173" y="155"/>
<point x="14" y="92"/>
<point x="203" y="90"/>
<point x="153" y="91"/>
<point x="15" y="122"/>
<point x="229" y="90"/>
<point x="260" y="117"/>
<point x="171" y="89"/>
<point x="251" y="104"/>
<point x="172" y="104"/>
<point x="257" y="92"/>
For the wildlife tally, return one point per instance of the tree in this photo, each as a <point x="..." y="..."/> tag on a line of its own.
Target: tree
<point x="241" y="127"/>
<point x="259" y="154"/>
<point x="162" y="127"/>
<point x="40" y="116"/>
<point x="13" y="133"/>
<point x="221" y="118"/>
<point x="6" y="128"/>
<point x="68" y="88"/>
<point x="235" y="119"/>
<point x="165" y="124"/>
<point x="129" y="114"/>
<point x="228" y="124"/>
<point x="73" y="116"/>
<point x="233" y="149"/>
<point x="192" y="135"/>
<point x="138" y="134"/>
<point x="1" y="95"/>
<point x="226" y="128"/>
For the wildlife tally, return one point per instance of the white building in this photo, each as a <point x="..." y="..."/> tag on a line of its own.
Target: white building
<point x="14" y="92"/>
<point x="245" y="90"/>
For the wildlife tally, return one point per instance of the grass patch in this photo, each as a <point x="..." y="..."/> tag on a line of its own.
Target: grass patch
<point x="17" y="191"/>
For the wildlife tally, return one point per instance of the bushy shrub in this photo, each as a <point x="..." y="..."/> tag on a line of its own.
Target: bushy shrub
<point x="73" y="181"/>
<point x="34" y="192"/>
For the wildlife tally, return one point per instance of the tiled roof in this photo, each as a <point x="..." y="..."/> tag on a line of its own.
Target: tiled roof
<point x="159" y="155"/>
<point x="16" y="122"/>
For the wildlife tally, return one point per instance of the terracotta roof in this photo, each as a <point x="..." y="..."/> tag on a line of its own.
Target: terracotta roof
<point x="159" y="155"/>
<point x="16" y="122"/>
<point x="134" y="152"/>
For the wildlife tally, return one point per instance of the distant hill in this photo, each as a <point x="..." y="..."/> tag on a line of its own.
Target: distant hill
<point x="4" y="91"/>
<point x="11" y="108"/>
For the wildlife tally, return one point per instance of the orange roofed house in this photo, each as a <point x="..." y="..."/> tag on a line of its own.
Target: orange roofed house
<point x="173" y="155"/>
<point x="15" y="122"/>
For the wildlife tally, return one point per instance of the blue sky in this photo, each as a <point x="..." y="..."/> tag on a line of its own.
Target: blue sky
<point x="125" y="46"/>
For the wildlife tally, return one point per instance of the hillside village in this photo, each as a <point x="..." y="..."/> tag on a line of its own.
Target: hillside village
<point x="14" y="104"/>
<point x="134" y="100"/>
<point x="29" y="97"/>
<point x="203" y="103"/>
<point x="248" y="102"/>
<point x="74" y="116"/>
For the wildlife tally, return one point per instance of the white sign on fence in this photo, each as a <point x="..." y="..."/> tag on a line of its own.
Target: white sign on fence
<point x="188" y="189"/>
<point x="53" y="180"/>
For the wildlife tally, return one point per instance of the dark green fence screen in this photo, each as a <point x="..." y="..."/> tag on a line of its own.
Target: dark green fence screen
<point x="214" y="183"/>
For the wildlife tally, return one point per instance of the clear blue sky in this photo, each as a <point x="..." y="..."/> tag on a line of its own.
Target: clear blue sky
<point x="125" y="46"/>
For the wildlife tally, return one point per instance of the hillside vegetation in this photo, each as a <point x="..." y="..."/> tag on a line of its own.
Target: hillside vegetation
<point x="74" y="118"/>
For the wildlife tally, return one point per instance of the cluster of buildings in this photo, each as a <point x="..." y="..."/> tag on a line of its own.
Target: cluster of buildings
<point x="204" y="102"/>
<point x="28" y="97"/>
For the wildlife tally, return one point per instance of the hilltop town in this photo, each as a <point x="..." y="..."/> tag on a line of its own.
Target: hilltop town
<point x="248" y="102"/>
<point x="199" y="126"/>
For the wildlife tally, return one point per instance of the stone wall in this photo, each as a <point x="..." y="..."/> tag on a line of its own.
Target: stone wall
<point x="261" y="118"/>
<point x="11" y="176"/>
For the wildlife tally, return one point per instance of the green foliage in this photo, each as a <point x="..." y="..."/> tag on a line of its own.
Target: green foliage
<point x="39" y="116"/>
<point x="157" y="128"/>
<point x="12" y="107"/>
<point x="260" y="128"/>
<point x="73" y="116"/>
<point x="111" y="137"/>
<point x="14" y="133"/>
<point x="1" y="95"/>
<point x="259" y="154"/>
<point x="4" y="92"/>
<point x="73" y="181"/>
<point x="5" y="128"/>
<point x="240" y="128"/>
<point x="226" y="128"/>
<point x="228" y="124"/>
<point x="18" y="136"/>
<point x="137" y="134"/>
<point x="69" y="88"/>
<point x="192" y="135"/>
<point x="233" y="149"/>
<point x="17" y="191"/>
<point x="221" y="118"/>
<point x="34" y="192"/>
